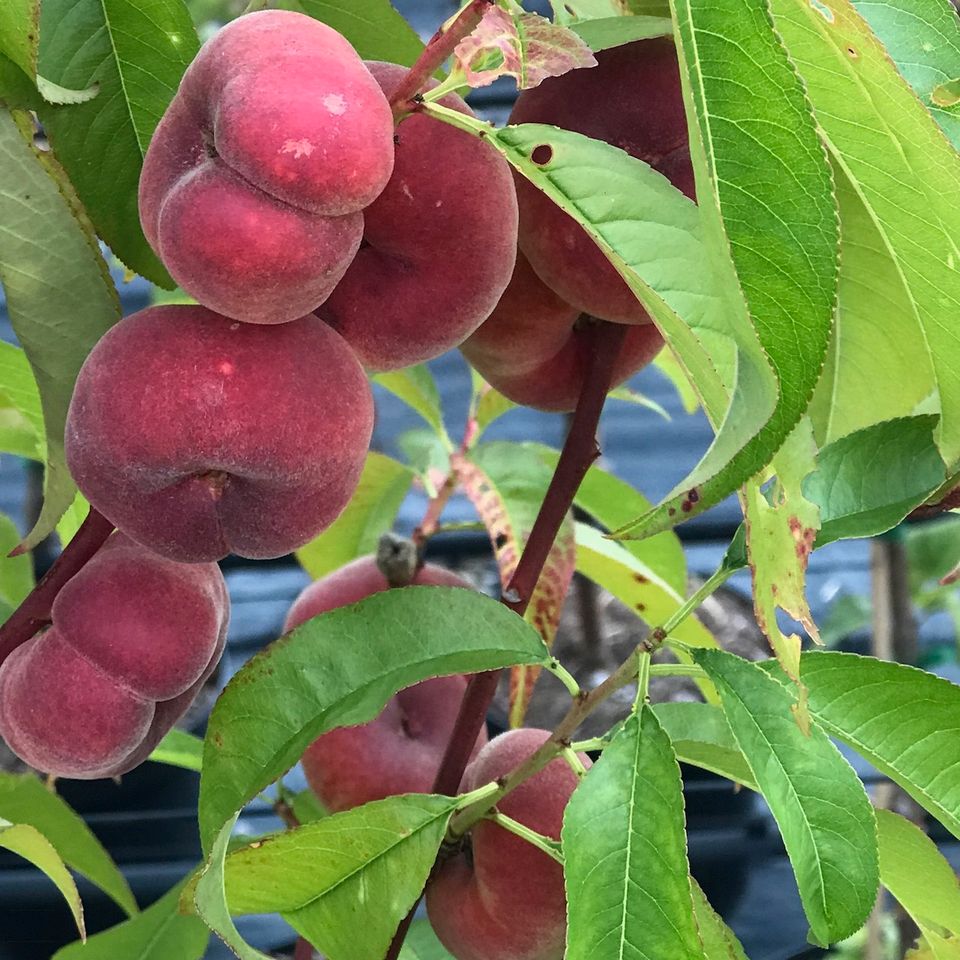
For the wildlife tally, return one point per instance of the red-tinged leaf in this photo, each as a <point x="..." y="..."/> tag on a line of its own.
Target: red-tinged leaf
<point x="550" y="50"/>
<point x="506" y="485"/>
<point x="528" y="47"/>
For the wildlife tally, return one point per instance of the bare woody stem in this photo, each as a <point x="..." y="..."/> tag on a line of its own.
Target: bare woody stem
<point x="435" y="54"/>
<point x="34" y="612"/>
<point x="579" y="451"/>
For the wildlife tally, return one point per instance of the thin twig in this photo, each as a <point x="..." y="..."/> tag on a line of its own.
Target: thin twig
<point x="435" y="54"/>
<point x="34" y="612"/>
<point x="579" y="451"/>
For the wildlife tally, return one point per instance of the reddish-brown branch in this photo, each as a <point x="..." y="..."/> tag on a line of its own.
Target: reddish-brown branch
<point x="34" y="612"/>
<point x="579" y="452"/>
<point x="435" y="54"/>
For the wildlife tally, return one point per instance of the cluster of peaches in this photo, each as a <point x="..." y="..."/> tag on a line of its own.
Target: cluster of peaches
<point x="321" y="241"/>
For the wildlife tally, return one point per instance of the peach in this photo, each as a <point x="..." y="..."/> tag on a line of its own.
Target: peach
<point x="631" y="99"/>
<point x="199" y="436"/>
<point x="506" y="900"/>
<point x="438" y="244"/>
<point x="254" y="183"/>
<point x="399" y="751"/>
<point x="133" y="638"/>
<point x="533" y="347"/>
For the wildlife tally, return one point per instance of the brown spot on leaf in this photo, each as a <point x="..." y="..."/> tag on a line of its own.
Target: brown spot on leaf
<point x="640" y="578"/>
<point x="542" y="154"/>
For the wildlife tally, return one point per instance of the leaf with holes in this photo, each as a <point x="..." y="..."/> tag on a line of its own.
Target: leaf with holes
<point x="506" y="483"/>
<point x="135" y="53"/>
<point x="824" y="815"/>
<point x="60" y="297"/>
<point x="625" y="856"/>
<point x="318" y="874"/>
<point x="371" y="511"/>
<point x="374" y="27"/>
<point x="781" y="528"/>
<point x="921" y="37"/>
<point x="340" y="669"/>
<point x="902" y="168"/>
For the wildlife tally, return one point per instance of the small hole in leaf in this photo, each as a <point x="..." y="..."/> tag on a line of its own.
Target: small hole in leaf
<point x="853" y="53"/>
<point x="542" y="155"/>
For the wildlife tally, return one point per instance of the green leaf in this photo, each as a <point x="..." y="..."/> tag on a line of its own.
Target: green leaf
<point x="775" y="236"/>
<point x="16" y="573"/>
<point x="867" y="482"/>
<point x="416" y="387"/>
<point x="19" y="21"/>
<point x="340" y="669"/>
<point x="905" y="172"/>
<point x="819" y="803"/>
<point x="72" y="519"/>
<point x="634" y="584"/>
<point x="24" y="799"/>
<point x="21" y="416"/>
<point x="612" y="502"/>
<point x="28" y="842"/>
<point x="16" y="89"/>
<point x="179" y="749"/>
<point x="668" y="365"/>
<point x="210" y="899"/>
<point x="307" y="808"/>
<point x="864" y="353"/>
<point x="625" y="857"/>
<point x="605" y="32"/>
<point x="701" y="736"/>
<point x="135" y="54"/>
<point x="719" y="941"/>
<point x="374" y="28"/>
<point x="54" y="93"/>
<point x="627" y="395"/>
<point x="318" y="875"/>
<point x="422" y="944"/>
<point x="60" y="297"/>
<point x="371" y="511"/>
<point x="854" y="698"/>
<point x="921" y="38"/>
<point x="161" y="932"/>
<point x="918" y="875"/>
<point x="427" y="456"/>
<point x="487" y="403"/>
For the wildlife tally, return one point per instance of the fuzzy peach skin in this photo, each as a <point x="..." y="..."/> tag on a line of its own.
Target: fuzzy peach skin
<point x="253" y="184"/>
<point x="399" y="751"/>
<point x="631" y="99"/>
<point x="438" y="244"/>
<point x="200" y="436"/>
<point x="133" y="638"/>
<point x="533" y="348"/>
<point x="506" y="901"/>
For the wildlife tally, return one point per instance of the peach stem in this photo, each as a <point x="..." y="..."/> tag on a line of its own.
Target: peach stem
<point x="435" y="54"/>
<point x="580" y="450"/>
<point x="34" y="612"/>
